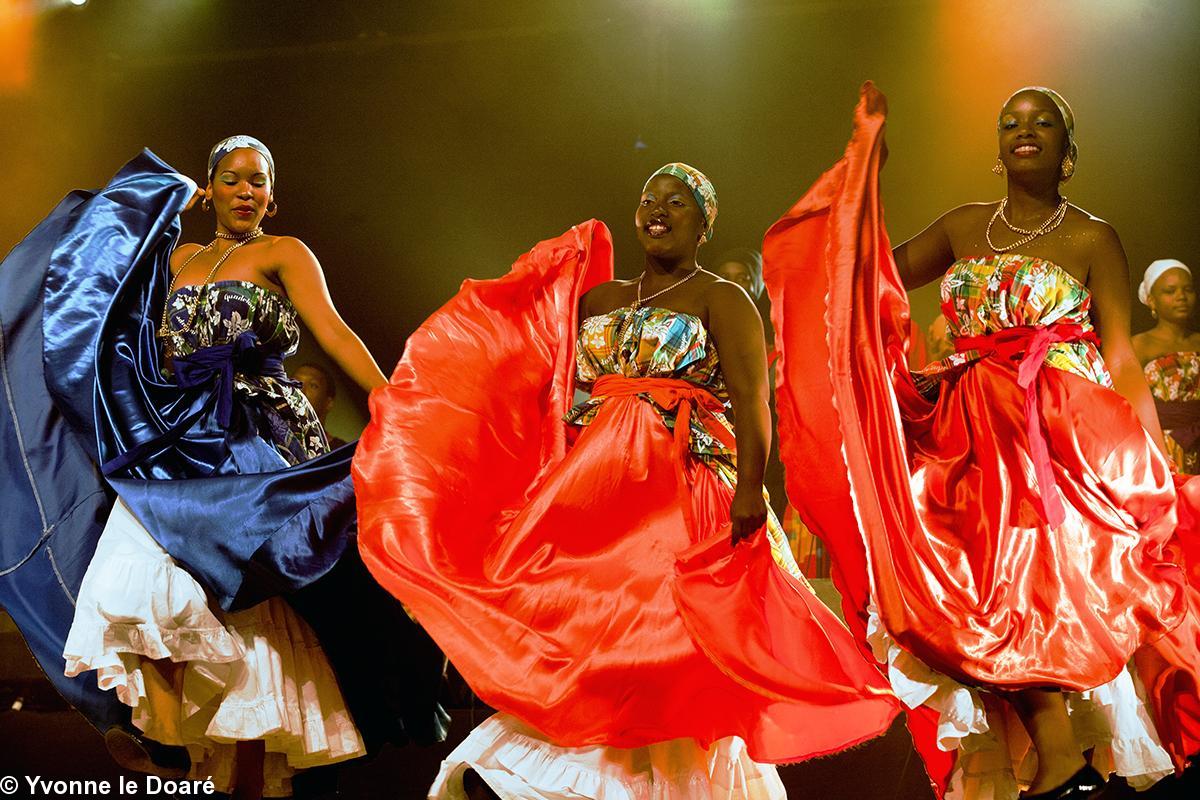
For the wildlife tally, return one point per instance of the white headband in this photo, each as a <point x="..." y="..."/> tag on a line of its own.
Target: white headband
<point x="1154" y="272"/>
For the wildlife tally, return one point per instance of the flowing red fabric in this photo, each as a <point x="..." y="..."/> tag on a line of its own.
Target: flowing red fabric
<point x="933" y="509"/>
<point x="1030" y="345"/>
<point x="588" y="589"/>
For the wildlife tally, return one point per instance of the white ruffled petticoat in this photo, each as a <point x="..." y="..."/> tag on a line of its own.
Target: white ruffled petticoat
<point x="145" y="625"/>
<point x="519" y="763"/>
<point x="994" y="755"/>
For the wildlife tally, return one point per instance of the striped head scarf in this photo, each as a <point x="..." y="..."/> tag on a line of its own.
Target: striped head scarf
<point x="702" y="190"/>
<point x="227" y="146"/>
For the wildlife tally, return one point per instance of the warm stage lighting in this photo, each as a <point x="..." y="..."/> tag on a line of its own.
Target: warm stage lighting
<point x="78" y="2"/>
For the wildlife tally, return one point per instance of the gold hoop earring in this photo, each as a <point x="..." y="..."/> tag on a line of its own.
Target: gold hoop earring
<point x="204" y="204"/>
<point x="272" y="208"/>
<point x="1068" y="168"/>
<point x="998" y="167"/>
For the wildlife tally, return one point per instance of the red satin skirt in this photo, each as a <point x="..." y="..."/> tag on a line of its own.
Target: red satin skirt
<point x="988" y="592"/>
<point x="930" y="508"/>
<point x="566" y="583"/>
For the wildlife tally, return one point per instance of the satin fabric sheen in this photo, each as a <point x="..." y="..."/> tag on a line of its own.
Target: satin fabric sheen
<point x="219" y="500"/>
<point x="278" y="529"/>
<point x="54" y="502"/>
<point x="565" y="581"/>
<point x="931" y="508"/>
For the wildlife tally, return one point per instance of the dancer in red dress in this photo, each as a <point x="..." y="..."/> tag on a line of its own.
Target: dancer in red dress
<point x="602" y="580"/>
<point x="1003" y="520"/>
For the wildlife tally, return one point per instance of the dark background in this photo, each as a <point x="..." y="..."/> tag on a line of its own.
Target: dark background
<point x="421" y="143"/>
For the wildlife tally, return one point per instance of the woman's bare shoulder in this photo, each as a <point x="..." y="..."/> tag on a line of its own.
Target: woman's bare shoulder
<point x="604" y="297"/>
<point x="182" y="253"/>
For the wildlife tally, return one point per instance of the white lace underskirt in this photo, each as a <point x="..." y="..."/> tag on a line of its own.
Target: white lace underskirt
<point x="519" y="763"/>
<point x="200" y="680"/>
<point x="994" y="754"/>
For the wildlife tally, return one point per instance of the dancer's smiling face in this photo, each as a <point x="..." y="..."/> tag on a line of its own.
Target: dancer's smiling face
<point x="240" y="189"/>
<point x="669" y="221"/>
<point x="1033" y="135"/>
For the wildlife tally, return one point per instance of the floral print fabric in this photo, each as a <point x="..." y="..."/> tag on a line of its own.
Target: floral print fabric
<point x="986" y="294"/>
<point x="652" y="342"/>
<point x="1175" y="378"/>
<point x="223" y="311"/>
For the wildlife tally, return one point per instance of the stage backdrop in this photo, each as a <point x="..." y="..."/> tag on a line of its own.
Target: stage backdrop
<point x="425" y="142"/>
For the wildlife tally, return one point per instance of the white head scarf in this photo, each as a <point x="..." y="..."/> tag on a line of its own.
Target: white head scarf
<point x="1154" y="272"/>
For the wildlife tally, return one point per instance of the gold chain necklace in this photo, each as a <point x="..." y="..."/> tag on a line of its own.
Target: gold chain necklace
<point x="640" y="300"/>
<point x="164" y="328"/>
<point x="1052" y="222"/>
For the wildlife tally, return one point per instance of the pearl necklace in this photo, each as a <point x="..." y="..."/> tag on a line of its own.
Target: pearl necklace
<point x="1052" y="222"/>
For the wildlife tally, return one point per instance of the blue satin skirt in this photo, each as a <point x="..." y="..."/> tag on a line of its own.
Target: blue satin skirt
<point x="53" y="500"/>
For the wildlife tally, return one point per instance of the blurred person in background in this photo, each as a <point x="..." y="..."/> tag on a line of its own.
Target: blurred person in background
<point x="320" y="388"/>
<point x="1170" y="357"/>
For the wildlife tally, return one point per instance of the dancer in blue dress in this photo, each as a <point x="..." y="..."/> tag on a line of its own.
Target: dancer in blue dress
<point x="223" y="507"/>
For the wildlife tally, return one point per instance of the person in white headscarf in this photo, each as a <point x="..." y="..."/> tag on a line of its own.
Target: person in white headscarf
<point x="1170" y="356"/>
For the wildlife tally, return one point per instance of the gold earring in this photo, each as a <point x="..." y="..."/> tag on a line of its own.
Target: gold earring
<point x="204" y="204"/>
<point x="998" y="167"/>
<point x="1068" y="167"/>
<point x="272" y="208"/>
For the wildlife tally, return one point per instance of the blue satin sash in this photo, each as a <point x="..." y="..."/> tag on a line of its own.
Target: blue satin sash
<point x="213" y="368"/>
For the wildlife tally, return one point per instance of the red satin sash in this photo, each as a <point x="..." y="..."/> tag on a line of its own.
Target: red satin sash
<point x="685" y="399"/>
<point x="1030" y="344"/>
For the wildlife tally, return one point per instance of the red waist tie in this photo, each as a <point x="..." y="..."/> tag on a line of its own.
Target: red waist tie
<point x="682" y="397"/>
<point x="1031" y="344"/>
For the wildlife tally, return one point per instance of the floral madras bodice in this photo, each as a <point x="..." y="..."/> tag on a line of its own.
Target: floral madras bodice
<point x="1174" y="376"/>
<point x="986" y="294"/>
<point x="1174" y="380"/>
<point x="227" y="309"/>
<point x="224" y="310"/>
<point x="651" y="342"/>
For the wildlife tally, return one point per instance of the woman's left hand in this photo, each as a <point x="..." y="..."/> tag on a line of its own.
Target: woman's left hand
<point x="747" y="514"/>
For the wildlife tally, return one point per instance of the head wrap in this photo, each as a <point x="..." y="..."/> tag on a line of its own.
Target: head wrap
<point x="702" y="190"/>
<point x="227" y="146"/>
<point x="1064" y="109"/>
<point x="753" y="261"/>
<point x="1154" y="272"/>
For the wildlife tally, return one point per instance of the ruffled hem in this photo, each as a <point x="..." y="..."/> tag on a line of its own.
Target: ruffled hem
<point x="144" y="625"/>
<point x="135" y="599"/>
<point x="1112" y="720"/>
<point x="519" y="764"/>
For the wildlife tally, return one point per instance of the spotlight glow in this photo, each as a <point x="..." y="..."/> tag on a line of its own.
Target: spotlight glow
<point x="78" y="2"/>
